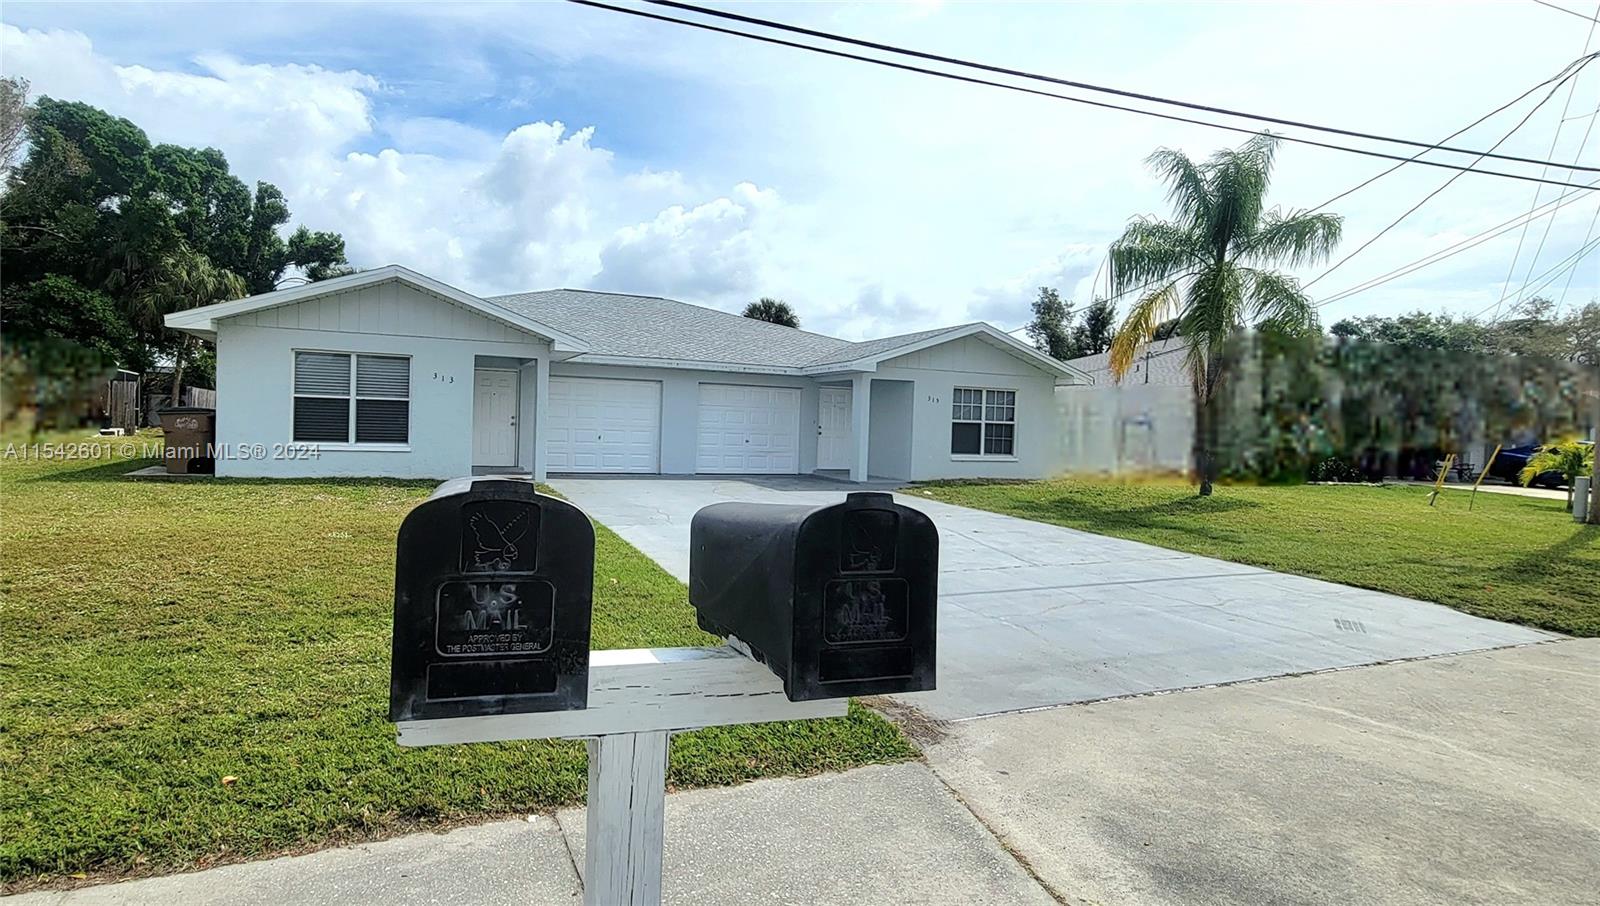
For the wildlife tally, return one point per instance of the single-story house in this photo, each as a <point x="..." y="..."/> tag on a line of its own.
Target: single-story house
<point x="390" y="373"/>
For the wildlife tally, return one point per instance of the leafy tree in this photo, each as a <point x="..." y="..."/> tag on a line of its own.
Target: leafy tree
<point x="60" y="308"/>
<point x="13" y="120"/>
<point x="100" y="226"/>
<point x="1094" y="335"/>
<point x="1209" y="268"/>
<point x="774" y="311"/>
<point x="1051" y="327"/>
<point x="1569" y="457"/>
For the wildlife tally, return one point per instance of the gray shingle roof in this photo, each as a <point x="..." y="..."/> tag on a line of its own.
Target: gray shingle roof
<point x="651" y="327"/>
<point x="1166" y="365"/>
<point x="865" y="348"/>
<point x="655" y="328"/>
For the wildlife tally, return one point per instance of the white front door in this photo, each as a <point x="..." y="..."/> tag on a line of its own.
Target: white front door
<point x="744" y="429"/>
<point x="835" y="438"/>
<point x="494" y="417"/>
<point x="603" y="425"/>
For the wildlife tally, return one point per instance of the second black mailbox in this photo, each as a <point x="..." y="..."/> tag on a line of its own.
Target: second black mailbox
<point x="837" y="600"/>
<point x="493" y="593"/>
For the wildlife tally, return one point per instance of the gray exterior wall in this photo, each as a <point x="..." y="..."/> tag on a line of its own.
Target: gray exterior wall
<point x="680" y="405"/>
<point x="971" y="362"/>
<point x="255" y="382"/>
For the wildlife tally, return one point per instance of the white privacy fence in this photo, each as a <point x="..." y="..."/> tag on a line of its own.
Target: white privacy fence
<point x="1126" y="429"/>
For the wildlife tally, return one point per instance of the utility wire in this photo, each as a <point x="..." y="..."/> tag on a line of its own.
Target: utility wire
<point x="1069" y="83"/>
<point x="1447" y="183"/>
<point x="1456" y="248"/>
<point x="1548" y="277"/>
<point x="1505" y="289"/>
<point x="1580" y="62"/>
<point x="1570" y="274"/>
<point x="1563" y="9"/>
<point x="1063" y="97"/>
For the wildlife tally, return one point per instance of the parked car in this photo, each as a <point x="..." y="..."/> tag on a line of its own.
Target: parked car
<point x="1511" y="461"/>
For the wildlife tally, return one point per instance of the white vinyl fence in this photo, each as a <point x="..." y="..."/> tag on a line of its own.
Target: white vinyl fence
<point x="1125" y="430"/>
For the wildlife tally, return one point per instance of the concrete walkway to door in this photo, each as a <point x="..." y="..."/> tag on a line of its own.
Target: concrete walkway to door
<point x="1034" y="615"/>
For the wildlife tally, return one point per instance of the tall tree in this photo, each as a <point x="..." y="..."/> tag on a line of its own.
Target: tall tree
<point x="774" y="311"/>
<point x="13" y="120"/>
<point x="186" y="279"/>
<point x="1210" y="268"/>
<point x="1094" y="335"/>
<point x="1051" y="327"/>
<point x="96" y="217"/>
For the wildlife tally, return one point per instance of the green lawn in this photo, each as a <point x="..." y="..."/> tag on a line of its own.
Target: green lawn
<point x="195" y="672"/>
<point x="1510" y="558"/>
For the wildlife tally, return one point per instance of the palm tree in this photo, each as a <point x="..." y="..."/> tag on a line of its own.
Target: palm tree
<point x="1208" y="269"/>
<point x="772" y="310"/>
<point x="1569" y="457"/>
<point x="185" y="279"/>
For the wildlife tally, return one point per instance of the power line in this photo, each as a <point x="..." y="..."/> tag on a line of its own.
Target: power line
<point x="1570" y="274"/>
<point x="1538" y="190"/>
<point x="1580" y="62"/>
<point x="1447" y="183"/>
<point x="1563" y="9"/>
<point x="1069" y="83"/>
<point x="1063" y="97"/>
<point x="1549" y="276"/>
<point x="1454" y="249"/>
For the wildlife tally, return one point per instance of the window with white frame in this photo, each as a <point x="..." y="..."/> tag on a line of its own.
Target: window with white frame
<point x="983" y="422"/>
<point x="342" y="397"/>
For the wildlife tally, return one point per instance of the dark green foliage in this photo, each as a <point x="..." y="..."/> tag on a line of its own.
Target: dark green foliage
<point x="1098" y="328"/>
<point x="60" y="308"/>
<point x="1051" y="327"/>
<point x="773" y="311"/>
<point x="1291" y="401"/>
<point x="102" y="234"/>
<point x="1533" y="328"/>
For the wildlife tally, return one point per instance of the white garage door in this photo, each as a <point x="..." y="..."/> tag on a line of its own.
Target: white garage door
<point x="603" y="426"/>
<point x="744" y="430"/>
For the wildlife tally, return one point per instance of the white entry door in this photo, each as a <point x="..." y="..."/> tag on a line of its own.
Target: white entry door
<point x="494" y="417"/>
<point x="835" y="438"/>
<point x="748" y="430"/>
<point x="602" y="425"/>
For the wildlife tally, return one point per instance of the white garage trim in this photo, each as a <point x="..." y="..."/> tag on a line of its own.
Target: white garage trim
<point x="603" y="425"/>
<point x="743" y="429"/>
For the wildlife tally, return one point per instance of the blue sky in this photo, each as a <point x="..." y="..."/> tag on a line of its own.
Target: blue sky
<point x="717" y="170"/>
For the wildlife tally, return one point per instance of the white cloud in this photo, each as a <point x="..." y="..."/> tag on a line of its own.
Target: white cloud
<point x="712" y="252"/>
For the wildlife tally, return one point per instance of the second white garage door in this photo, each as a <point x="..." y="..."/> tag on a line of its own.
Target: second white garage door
<point x="748" y="430"/>
<point x="603" y="426"/>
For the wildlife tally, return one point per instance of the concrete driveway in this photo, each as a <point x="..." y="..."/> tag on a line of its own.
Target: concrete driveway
<point x="1034" y="615"/>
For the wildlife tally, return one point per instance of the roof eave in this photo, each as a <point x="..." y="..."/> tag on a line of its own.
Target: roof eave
<point x="202" y="322"/>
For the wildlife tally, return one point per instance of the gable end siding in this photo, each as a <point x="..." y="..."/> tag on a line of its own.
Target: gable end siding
<point x="389" y="308"/>
<point x="969" y="355"/>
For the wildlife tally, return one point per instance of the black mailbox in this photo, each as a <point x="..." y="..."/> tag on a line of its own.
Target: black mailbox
<point x="837" y="600"/>
<point x="493" y="589"/>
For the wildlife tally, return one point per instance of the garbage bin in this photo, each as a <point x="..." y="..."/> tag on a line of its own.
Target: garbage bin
<point x="191" y="432"/>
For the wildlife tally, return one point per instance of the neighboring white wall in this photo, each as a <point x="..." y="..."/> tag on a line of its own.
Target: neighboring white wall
<point x="972" y="362"/>
<point x="680" y="406"/>
<point x="889" y="441"/>
<point x="255" y="367"/>
<point x="1126" y="429"/>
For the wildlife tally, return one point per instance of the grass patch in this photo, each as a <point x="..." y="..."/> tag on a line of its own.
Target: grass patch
<point x="159" y="637"/>
<point x="1518" y="559"/>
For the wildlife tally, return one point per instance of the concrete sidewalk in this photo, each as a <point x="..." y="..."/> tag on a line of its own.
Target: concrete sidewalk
<point x="1463" y="779"/>
<point x="880" y="834"/>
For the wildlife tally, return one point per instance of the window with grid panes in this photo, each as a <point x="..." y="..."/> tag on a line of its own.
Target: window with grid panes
<point x="983" y="422"/>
